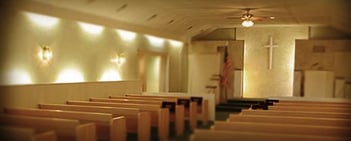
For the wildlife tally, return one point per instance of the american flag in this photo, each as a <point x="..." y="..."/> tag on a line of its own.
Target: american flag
<point x="227" y="67"/>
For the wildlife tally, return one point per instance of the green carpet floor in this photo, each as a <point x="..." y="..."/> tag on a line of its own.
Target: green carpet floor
<point x="220" y="116"/>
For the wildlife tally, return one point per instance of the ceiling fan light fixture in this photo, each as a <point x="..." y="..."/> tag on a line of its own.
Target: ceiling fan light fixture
<point x="247" y="23"/>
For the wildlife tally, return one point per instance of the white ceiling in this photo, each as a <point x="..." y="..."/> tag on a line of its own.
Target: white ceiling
<point x="187" y="18"/>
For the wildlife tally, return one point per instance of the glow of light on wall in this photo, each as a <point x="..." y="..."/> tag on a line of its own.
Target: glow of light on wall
<point x="91" y="28"/>
<point x="155" y="41"/>
<point x="110" y="75"/>
<point x="175" y="43"/>
<point x="17" y="77"/>
<point x="70" y="76"/>
<point x="126" y="35"/>
<point x="42" y="20"/>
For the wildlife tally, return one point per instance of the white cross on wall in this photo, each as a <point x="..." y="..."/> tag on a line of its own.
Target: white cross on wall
<point x="270" y="46"/>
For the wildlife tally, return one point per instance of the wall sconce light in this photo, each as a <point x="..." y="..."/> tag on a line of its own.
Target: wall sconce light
<point x="45" y="54"/>
<point x="119" y="59"/>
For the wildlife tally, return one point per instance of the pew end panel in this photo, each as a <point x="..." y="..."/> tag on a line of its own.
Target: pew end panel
<point x="83" y="132"/>
<point x="204" y="112"/>
<point x="179" y="119"/>
<point x="193" y="115"/>
<point x="118" y="131"/>
<point x="144" y="126"/>
<point x="163" y="124"/>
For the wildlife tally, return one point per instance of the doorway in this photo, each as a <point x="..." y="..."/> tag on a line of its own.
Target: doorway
<point x="153" y="71"/>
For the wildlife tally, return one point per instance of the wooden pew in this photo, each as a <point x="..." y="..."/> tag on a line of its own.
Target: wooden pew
<point x="282" y="128"/>
<point x="176" y="111"/>
<point x="213" y="135"/>
<point x="159" y="116"/>
<point x="297" y="114"/>
<point x="201" y="108"/>
<point x="13" y="133"/>
<point x="190" y="107"/>
<point x="313" y="104"/>
<point x="107" y="126"/>
<point x="136" y="121"/>
<point x="290" y="120"/>
<point x="65" y="129"/>
<point x="310" y="109"/>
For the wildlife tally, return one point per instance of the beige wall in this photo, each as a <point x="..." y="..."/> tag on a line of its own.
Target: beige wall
<point x="32" y="95"/>
<point x="235" y="50"/>
<point x="335" y="57"/>
<point x="259" y="81"/>
<point x="75" y="49"/>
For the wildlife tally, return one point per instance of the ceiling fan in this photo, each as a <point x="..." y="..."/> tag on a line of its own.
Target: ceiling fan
<point x="248" y="19"/>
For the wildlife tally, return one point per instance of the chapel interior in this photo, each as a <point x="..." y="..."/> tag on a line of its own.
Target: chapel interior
<point x="53" y="51"/>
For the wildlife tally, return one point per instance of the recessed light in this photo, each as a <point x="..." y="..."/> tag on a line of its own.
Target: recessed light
<point x="152" y="17"/>
<point x="171" y="21"/>
<point x="124" y="6"/>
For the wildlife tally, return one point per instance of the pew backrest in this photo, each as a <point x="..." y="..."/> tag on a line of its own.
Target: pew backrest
<point x="177" y="111"/>
<point x="143" y="98"/>
<point x="282" y="128"/>
<point x="191" y="107"/>
<point x="327" y="105"/>
<point x="159" y="116"/>
<point x="310" y="109"/>
<point x="290" y="120"/>
<point x="103" y="121"/>
<point x="126" y="100"/>
<point x="212" y="135"/>
<point x="136" y="121"/>
<point x="65" y="129"/>
<point x="314" y="102"/>
<point x="297" y="113"/>
<point x="13" y="133"/>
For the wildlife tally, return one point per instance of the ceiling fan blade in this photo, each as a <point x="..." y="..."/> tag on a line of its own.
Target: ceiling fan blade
<point x="234" y="17"/>
<point x="260" y="18"/>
